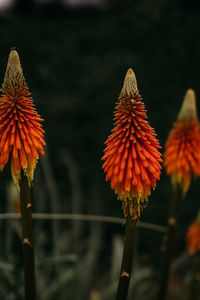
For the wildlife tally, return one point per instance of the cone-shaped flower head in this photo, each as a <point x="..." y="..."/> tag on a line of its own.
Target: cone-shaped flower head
<point x="131" y="156"/>
<point x="20" y="130"/>
<point x="193" y="236"/>
<point x="182" y="155"/>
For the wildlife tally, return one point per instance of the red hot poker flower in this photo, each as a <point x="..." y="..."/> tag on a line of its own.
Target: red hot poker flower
<point x="131" y="156"/>
<point x="20" y="130"/>
<point x="182" y="155"/>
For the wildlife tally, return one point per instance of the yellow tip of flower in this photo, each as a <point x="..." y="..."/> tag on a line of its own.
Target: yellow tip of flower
<point x="14" y="75"/>
<point x="130" y="84"/>
<point x="182" y="180"/>
<point x="188" y="109"/>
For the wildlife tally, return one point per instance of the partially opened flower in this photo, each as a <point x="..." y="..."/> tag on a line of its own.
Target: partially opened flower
<point x="193" y="236"/>
<point x="131" y="156"/>
<point x="182" y="155"/>
<point x="21" y="132"/>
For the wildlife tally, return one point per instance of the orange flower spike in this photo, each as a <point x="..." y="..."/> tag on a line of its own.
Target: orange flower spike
<point x="21" y="132"/>
<point x="131" y="156"/>
<point x="182" y="154"/>
<point x="193" y="236"/>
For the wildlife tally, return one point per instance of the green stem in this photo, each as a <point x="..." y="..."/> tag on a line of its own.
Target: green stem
<point x="28" y="249"/>
<point x="127" y="260"/>
<point x="171" y="237"/>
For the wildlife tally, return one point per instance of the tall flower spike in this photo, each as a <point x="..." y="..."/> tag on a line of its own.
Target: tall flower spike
<point x="131" y="156"/>
<point x="193" y="236"/>
<point x="182" y="155"/>
<point x="20" y="130"/>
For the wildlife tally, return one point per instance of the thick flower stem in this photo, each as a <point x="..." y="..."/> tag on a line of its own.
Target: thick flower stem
<point x="171" y="236"/>
<point x="28" y="249"/>
<point x="127" y="260"/>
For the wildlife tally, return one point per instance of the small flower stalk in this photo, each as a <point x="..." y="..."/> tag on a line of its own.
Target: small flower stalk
<point x="21" y="138"/>
<point x="132" y="165"/>
<point x="181" y="160"/>
<point x="132" y="159"/>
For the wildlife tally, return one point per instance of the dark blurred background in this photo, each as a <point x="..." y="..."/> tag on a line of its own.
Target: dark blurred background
<point x="75" y="54"/>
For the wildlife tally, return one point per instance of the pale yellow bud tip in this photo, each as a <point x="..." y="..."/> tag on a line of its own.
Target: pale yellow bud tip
<point x="130" y="84"/>
<point x="14" y="74"/>
<point x="130" y="72"/>
<point x="13" y="59"/>
<point x="188" y="109"/>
